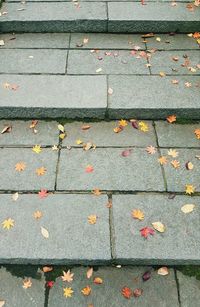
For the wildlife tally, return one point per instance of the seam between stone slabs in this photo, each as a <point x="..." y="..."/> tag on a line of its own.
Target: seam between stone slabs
<point x="58" y="162"/>
<point x="148" y="62"/>
<point x="96" y="74"/>
<point x="88" y="49"/>
<point x="67" y="58"/>
<point x="111" y="229"/>
<point x="177" y="287"/>
<point x="107" y="17"/>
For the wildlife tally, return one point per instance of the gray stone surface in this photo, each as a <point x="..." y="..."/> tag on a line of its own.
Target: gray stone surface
<point x="27" y="179"/>
<point x="178" y="178"/>
<point x="54" y="17"/>
<point x="33" y="61"/>
<point x="179" y="244"/>
<point x="119" y="62"/>
<point x="71" y="238"/>
<point x="170" y="42"/>
<point x="154" y="17"/>
<point x="177" y="135"/>
<point x="112" y="171"/>
<point x="162" y="61"/>
<point x="22" y="135"/>
<point x="53" y="96"/>
<point x="13" y="293"/>
<point x="143" y="96"/>
<point x="159" y="291"/>
<point x="102" y="134"/>
<point x="189" y="290"/>
<point x="36" y="40"/>
<point x="106" y="41"/>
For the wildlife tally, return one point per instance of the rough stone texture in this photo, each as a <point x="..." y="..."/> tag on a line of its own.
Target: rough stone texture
<point x="43" y="61"/>
<point x="71" y="238"/>
<point x="119" y="62"/>
<point x="142" y="97"/>
<point x="178" y="178"/>
<point x="53" y="96"/>
<point x="13" y="293"/>
<point x="160" y="291"/>
<point x="36" y="40"/>
<point x="27" y="179"/>
<point x="112" y="171"/>
<point x="22" y="135"/>
<point x="180" y="243"/>
<point x="170" y="42"/>
<point x="189" y="290"/>
<point x="154" y="17"/>
<point x="162" y="61"/>
<point x="177" y="135"/>
<point x="54" y="17"/>
<point x="102" y="134"/>
<point x="106" y="41"/>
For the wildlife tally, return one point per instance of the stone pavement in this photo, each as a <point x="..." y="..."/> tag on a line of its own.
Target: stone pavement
<point x="47" y="289"/>
<point x="71" y="199"/>
<point x="99" y="75"/>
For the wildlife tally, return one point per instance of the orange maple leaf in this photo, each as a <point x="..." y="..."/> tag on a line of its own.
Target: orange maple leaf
<point x="137" y="214"/>
<point x="171" y="119"/>
<point x="126" y="292"/>
<point x="20" y="166"/>
<point x="98" y="280"/>
<point x="37" y="214"/>
<point x="86" y="291"/>
<point x="96" y="192"/>
<point x="162" y="160"/>
<point x="89" y="169"/>
<point x="175" y="163"/>
<point x="92" y="219"/>
<point x="41" y="171"/>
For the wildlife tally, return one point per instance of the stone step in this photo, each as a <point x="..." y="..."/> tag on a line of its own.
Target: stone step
<point x="99" y="16"/>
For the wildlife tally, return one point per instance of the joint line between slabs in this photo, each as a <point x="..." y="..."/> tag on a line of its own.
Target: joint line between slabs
<point x="111" y="229"/>
<point x="177" y="287"/>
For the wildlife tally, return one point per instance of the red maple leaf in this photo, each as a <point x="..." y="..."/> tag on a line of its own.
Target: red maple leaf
<point x="146" y="231"/>
<point x="126" y="292"/>
<point x="43" y="193"/>
<point x="49" y="284"/>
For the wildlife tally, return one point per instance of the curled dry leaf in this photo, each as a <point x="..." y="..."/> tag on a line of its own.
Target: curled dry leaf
<point x="89" y="273"/>
<point x="85" y="127"/>
<point x="117" y="129"/>
<point x="47" y="269"/>
<point x="197" y="133"/>
<point x="126" y="153"/>
<point x="163" y="271"/>
<point x="158" y="226"/>
<point x="98" y="280"/>
<point x="44" y="232"/>
<point x="126" y="292"/>
<point x="188" y="208"/>
<point x="86" y="291"/>
<point x="6" y="129"/>
<point x="137" y="292"/>
<point x="61" y="128"/>
<point x="189" y="166"/>
<point x="146" y="276"/>
<point x="2" y="303"/>
<point x="15" y="196"/>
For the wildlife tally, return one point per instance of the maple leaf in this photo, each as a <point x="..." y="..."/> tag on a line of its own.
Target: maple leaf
<point x="27" y="283"/>
<point x="37" y="214"/>
<point x="126" y="292"/>
<point x="188" y="84"/>
<point x="137" y="214"/>
<point x="79" y="142"/>
<point x="98" y="280"/>
<point x="96" y="192"/>
<point x="41" y="171"/>
<point x="7" y="224"/>
<point x="92" y="219"/>
<point x="122" y="123"/>
<point x="43" y="193"/>
<point x="37" y="149"/>
<point x="68" y="292"/>
<point x="171" y="119"/>
<point x="143" y="126"/>
<point x="20" y="166"/>
<point x="175" y="163"/>
<point x="146" y="231"/>
<point x="162" y="160"/>
<point x="197" y="133"/>
<point x="55" y="148"/>
<point x="67" y="276"/>
<point x="173" y="153"/>
<point x="49" y="284"/>
<point x="89" y="169"/>
<point x="189" y="189"/>
<point x="151" y="150"/>
<point x="86" y="291"/>
<point x="137" y="292"/>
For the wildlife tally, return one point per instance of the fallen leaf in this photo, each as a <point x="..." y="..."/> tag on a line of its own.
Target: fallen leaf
<point x="158" y="226"/>
<point x="162" y="160"/>
<point x="146" y="276"/>
<point x="7" y="224"/>
<point x="2" y="303"/>
<point x="33" y="124"/>
<point x="163" y="271"/>
<point x="98" y="70"/>
<point x="96" y="192"/>
<point x="126" y="153"/>
<point x="67" y="276"/>
<point x="86" y="291"/>
<point x="61" y="128"/>
<point x="55" y="148"/>
<point x="47" y="269"/>
<point x="151" y="150"/>
<point x="187" y="208"/>
<point x="85" y="127"/>
<point x="37" y="149"/>
<point x="197" y="133"/>
<point x="173" y="153"/>
<point x="87" y="146"/>
<point x="175" y="164"/>
<point x="189" y="189"/>
<point x="134" y="123"/>
<point x="110" y="91"/>
<point x="146" y="231"/>
<point x="15" y="196"/>
<point x="175" y="81"/>
<point x="143" y="126"/>
<point x="188" y="84"/>
<point x="189" y="166"/>
<point x="122" y="123"/>
<point x="89" y="169"/>
<point x="43" y="193"/>
<point x="62" y="136"/>
<point x="79" y="142"/>
<point x="117" y="129"/>
<point x="138" y="214"/>
<point x="89" y="273"/>
<point x="126" y="292"/>
<point x="162" y="74"/>
<point x="137" y="292"/>
<point x="37" y="214"/>
<point x="171" y="119"/>
<point x="20" y="166"/>
<point x="92" y="219"/>
<point x="68" y="292"/>
<point x="98" y="280"/>
<point x="44" y="232"/>
<point x="41" y="171"/>
<point x="2" y="42"/>
<point x="49" y="284"/>
<point x="27" y="283"/>
<point x="6" y="129"/>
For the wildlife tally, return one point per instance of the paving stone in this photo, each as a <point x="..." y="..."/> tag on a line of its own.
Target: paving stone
<point x="102" y="134"/>
<point x="112" y="171"/>
<point x="147" y="97"/>
<point x="22" y="135"/>
<point x="160" y="291"/>
<point x="189" y="290"/>
<point x="54" y="17"/>
<point x="72" y="240"/>
<point x="170" y="42"/>
<point x="177" y="135"/>
<point x="154" y="17"/>
<point x="178" y="178"/>
<point x="36" y="40"/>
<point x="53" y="96"/>
<point x="13" y="293"/>
<point x="119" y="62"/>
<point x="180" y="242"/>
<point x="163" y="61"/>
<point x="33" y="61"/>
<point x="106" y="41"/>
<point x="27" y="179"/>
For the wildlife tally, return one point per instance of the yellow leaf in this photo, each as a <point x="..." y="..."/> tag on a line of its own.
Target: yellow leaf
<point x="143" y="126"/>
<point x="27" y="283"/>
<point x="86" y="291"/>
<point x="92" y="219"/>
<point x="162" y="160"/>
<point x="44" y="232"/>
<point x="122" y="123"/>
<point x="187" y="208"/>
<point x="37" y="149"/>
<point x="79" y="142"/>
<point x="62" y="136"/>
<point x="173" y="153"/>
<point x="67" y="276"/>
<point x="68" y="292"/>
<point x="61" y="128"/>
<point x="189" y="189"/>
<point x="158" y="226"/>
<point x="138" y="214"/>
<point x="162" y="74"/>
<point x="163" y="271"/>
<point x="7" y="224"/>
